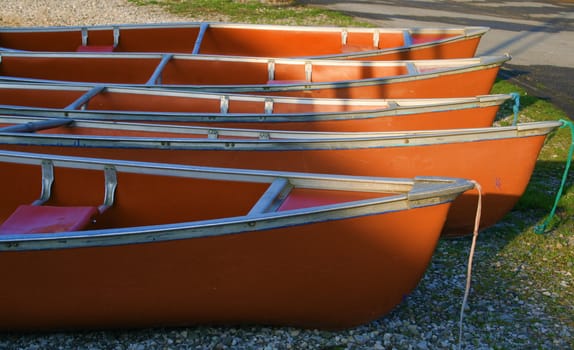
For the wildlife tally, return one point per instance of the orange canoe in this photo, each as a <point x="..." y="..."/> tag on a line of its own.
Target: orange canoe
<point x="465" y="153"/>
<point x="174" y="245"/>
<point x="247" y="111"/>
<point x="270" y="76"/>
<point x="251" y="40"/>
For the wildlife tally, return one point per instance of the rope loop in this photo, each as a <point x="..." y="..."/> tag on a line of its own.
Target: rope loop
<point x="470" y="258"/>
<point x="540" y="229"/>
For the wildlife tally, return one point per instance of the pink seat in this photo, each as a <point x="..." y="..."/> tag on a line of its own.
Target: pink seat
<point x="95" y="48"/>
<point x="48" y="219"/>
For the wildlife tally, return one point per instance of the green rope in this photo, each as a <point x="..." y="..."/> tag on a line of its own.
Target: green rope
<point x="542" y="228"/>
<point x="516" y="97"/>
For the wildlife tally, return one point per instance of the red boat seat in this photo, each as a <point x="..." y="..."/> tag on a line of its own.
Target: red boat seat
<point x="48" y="219"/>
<point x="95" y="48"/>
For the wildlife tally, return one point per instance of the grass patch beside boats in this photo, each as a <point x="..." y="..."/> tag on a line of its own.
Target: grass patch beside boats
<point x="253" y="11"/>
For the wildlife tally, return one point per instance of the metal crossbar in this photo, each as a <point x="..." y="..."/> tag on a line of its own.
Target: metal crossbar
<point x="202" y="29"/>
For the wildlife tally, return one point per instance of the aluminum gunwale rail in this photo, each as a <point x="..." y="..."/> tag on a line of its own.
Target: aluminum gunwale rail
<point x="462" y="66"/>
<point x="262" y="140"/>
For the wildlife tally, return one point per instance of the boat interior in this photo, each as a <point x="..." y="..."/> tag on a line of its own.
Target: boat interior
<point x="48" y="194"/>
<point x="213" y="39"/>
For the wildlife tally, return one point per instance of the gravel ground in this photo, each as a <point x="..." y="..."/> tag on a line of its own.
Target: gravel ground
<point x="79" y="12"/>
<point x="504" y="314"/>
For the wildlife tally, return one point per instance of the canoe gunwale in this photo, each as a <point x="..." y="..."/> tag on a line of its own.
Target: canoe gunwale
<point x="420" y="192"/>
<point x="471" y="29"/>
<point x="458" y="34"/>
<point x="394" y="109"/>
<point x="470" y="65"/>
<point x="86" y="87"/>
<point x="276" y="140"/>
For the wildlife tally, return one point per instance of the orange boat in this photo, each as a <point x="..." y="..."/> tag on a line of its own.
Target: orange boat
<point x="251" y="40"/>
<point x="174" y="245"/>
<point x="465" y="153"/>
<point x="270" y="76"/>
<point x="247" y="111"/>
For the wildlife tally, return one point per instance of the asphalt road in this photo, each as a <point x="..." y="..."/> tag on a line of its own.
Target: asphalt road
<point x="538" y="34"/>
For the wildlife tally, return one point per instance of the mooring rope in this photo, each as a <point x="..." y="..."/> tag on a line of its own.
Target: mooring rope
<point x="470" y="258"/>
<point x="516" y="97"/>
<point x="542" y="228"/>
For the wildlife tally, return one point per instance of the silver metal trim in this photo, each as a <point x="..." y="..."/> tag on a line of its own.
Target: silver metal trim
<point x="272" y="199"/>
<point x="111" y="183"/>
<point x="47" y="181"/>
<point x="376" y="38"/>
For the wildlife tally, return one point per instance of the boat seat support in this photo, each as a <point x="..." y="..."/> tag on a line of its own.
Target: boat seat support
<point x="111" y="183"/>
<point x="271" y="70"/>
<point x="376" y="38"/>
<point x="344" y="36"/>
<point x="47" y="181"/>
<point x="86" y="47"/>
<point x="308" y="71"/>
<point x="271" y="74"/>
<point x="269" y="105"/>
<point x="273" y="197"/>
<point x="224" y="104"/>
<point x="40" y="218"/>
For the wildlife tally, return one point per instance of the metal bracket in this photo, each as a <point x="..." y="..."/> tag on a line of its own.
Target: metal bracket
<point x="376" y="38"/>
<point x="268" y="105"/>
<point x="344" y="35"/>
<point x="212" y="134"/>
<point x="84" y="36"/>
<point x="47" y="181"/>
<point x="224" y="104"/>
<point x="111" y="182"/>
<point x="116" y="33"/>
<point x="308" y="70"/>
<point x="116" y="36"/>
<point x="271" y="70"/>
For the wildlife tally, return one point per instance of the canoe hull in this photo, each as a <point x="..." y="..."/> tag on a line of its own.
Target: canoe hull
<point x="182" y="246"/>
<point x="502" y="175"/>
<point x="252" y="112"/>
<point x="294" y="78"/>
<point x="252" y="40"/>
<point x="279" y="277"/>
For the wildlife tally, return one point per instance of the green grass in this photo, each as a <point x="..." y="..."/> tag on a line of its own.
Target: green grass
<point x="547" y="175"/>
<point x="253" y="12"/>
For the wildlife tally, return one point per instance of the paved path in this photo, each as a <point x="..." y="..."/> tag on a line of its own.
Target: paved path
<point x="538" y="34"/>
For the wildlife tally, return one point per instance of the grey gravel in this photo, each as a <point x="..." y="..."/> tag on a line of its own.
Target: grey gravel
<point x="498" y="316"/>
<point x="81" y="12"/>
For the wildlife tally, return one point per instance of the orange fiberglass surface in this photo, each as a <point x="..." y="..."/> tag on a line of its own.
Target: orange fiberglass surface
<point x="269" y="76"/>
<point x="247" y="111"/>
<point x="466" y="153"/>
<point x="179" y="245"/>
<point x="251" y="40"/>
